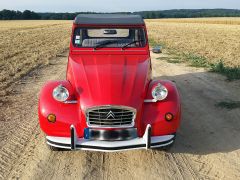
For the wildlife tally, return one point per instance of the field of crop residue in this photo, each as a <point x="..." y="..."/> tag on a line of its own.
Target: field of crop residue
<point x="213" y="39"/>
<point x="25" y="45"/>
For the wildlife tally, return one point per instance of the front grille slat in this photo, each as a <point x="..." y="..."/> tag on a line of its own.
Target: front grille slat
<point x="94" y="118"/>
<point x="97" y="122"/>
<point x="107" y="112"/>
<point x="110" y="116"/>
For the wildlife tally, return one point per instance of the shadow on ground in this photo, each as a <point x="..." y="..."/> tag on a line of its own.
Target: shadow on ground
<point x="206" y="128"/>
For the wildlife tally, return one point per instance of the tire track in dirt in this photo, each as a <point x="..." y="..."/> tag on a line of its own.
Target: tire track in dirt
<point x="182" y="164"/>
<point x="205" y="130"/>
<point x="19" y="121"/>
<point x="32" y="159"/>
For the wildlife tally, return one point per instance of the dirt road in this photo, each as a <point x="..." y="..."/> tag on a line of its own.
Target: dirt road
<point x="207" y="146"/>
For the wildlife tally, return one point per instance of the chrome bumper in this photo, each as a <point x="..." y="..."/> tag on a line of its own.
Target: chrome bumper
<point x="74" y="143"/>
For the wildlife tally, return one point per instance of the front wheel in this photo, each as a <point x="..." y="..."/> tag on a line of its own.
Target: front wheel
<point x="52" y="148"/>
<point x="168" y="147"/>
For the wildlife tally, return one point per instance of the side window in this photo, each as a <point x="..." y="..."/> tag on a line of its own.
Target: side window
<point x="77" y="38"/>
<point x="140" y="36"/>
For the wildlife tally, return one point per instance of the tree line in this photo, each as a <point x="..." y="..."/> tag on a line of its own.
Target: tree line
<point x="18" y="15"/>
<point x="178" y="13"/>
<point x="190" y="13"/>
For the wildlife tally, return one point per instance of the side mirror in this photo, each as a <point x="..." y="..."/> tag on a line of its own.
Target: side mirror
<point x="157" y="49"/>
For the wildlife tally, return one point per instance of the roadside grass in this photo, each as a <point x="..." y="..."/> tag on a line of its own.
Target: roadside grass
<point x="153" y="43"/>
<point x="196" y="61"/>
<point x="228" y="104"/>
<point x="232" y="73"/>
<point x="163" y="58"/>
<point x="175" y="61"/>
<point x="170" y="59"/>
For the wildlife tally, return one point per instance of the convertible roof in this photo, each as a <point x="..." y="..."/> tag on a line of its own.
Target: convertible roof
<point x="112" y="19"/>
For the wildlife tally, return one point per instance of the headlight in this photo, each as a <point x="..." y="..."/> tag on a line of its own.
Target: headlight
<point x="159" y="92"/>
<point x="60" y="93"/>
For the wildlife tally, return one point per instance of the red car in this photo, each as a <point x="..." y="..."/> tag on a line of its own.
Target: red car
<point x="108" y="101"/>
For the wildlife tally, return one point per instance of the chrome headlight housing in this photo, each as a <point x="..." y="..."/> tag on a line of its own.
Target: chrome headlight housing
<point x="60" y="93"/>
<point x="159" y="92"/>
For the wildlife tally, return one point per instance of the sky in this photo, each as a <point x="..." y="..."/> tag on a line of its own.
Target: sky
<point x="114" y="5"/>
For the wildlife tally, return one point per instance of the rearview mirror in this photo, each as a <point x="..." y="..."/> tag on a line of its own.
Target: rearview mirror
<point x="157" y="49"/>
<point x="110" y="31"/>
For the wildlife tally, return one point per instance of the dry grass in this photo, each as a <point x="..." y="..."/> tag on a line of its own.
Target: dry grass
<point x="25" y="45"/>
<point x="220" y="20"/>
<point x="213" y="39"/>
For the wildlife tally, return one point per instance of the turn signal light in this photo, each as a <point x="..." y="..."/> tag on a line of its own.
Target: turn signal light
<point x="51" y="118"/>
<point x="169" y="116"/>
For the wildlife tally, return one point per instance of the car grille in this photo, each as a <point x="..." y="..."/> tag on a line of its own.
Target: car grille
<point x="110" y="116"/>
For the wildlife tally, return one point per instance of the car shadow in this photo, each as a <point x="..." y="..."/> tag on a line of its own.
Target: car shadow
<point x="206" y="128"/>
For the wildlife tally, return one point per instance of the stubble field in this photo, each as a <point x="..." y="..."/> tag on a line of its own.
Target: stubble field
<point x="216" y="39"/>
<point x="26" y="45"/>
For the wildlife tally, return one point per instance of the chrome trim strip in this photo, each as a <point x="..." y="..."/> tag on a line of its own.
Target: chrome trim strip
<point x="111" y="106"/>
<point x="71" y="102"/>
<point x="150" y="100"/>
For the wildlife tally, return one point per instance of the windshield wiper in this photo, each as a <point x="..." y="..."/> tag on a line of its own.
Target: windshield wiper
<point x="104" y="43"/>
<point x="123" y="47"/>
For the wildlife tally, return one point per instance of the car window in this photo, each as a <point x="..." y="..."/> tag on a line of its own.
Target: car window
<point x="109" y="37"/>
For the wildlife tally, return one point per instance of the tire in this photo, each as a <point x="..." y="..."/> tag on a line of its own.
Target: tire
<point x="168" y="147"/>
<point x="52" y="148"/>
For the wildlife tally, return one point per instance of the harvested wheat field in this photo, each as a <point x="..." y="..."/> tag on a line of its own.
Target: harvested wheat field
<point x="25" y="45"/>
<point x="220" y="20"/>
<point x="207" y="144"/>
<point x="213" y="38"/>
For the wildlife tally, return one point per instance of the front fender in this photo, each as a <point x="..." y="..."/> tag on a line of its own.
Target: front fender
<point x="66" y="114"/>
<point x="154" y="112"/>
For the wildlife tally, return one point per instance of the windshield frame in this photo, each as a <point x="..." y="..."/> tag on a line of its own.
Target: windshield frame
<point x="143" y="28"/>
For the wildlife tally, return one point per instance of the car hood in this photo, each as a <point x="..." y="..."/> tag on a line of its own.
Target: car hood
<point x="109" y="79"/>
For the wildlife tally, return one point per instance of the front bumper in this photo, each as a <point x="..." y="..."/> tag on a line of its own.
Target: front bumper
<point x="74" y="143"/>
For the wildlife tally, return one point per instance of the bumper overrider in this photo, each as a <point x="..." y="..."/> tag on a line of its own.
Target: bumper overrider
<point x="145" y="142"/>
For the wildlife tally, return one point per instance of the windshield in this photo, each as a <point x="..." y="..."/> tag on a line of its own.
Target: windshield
<point x="109" y="37"/>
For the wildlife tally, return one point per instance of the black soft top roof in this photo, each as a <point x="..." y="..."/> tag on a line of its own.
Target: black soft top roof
<point x="112" y="19"/>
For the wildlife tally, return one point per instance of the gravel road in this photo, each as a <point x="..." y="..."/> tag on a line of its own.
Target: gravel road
<point x="207" y="145"/>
